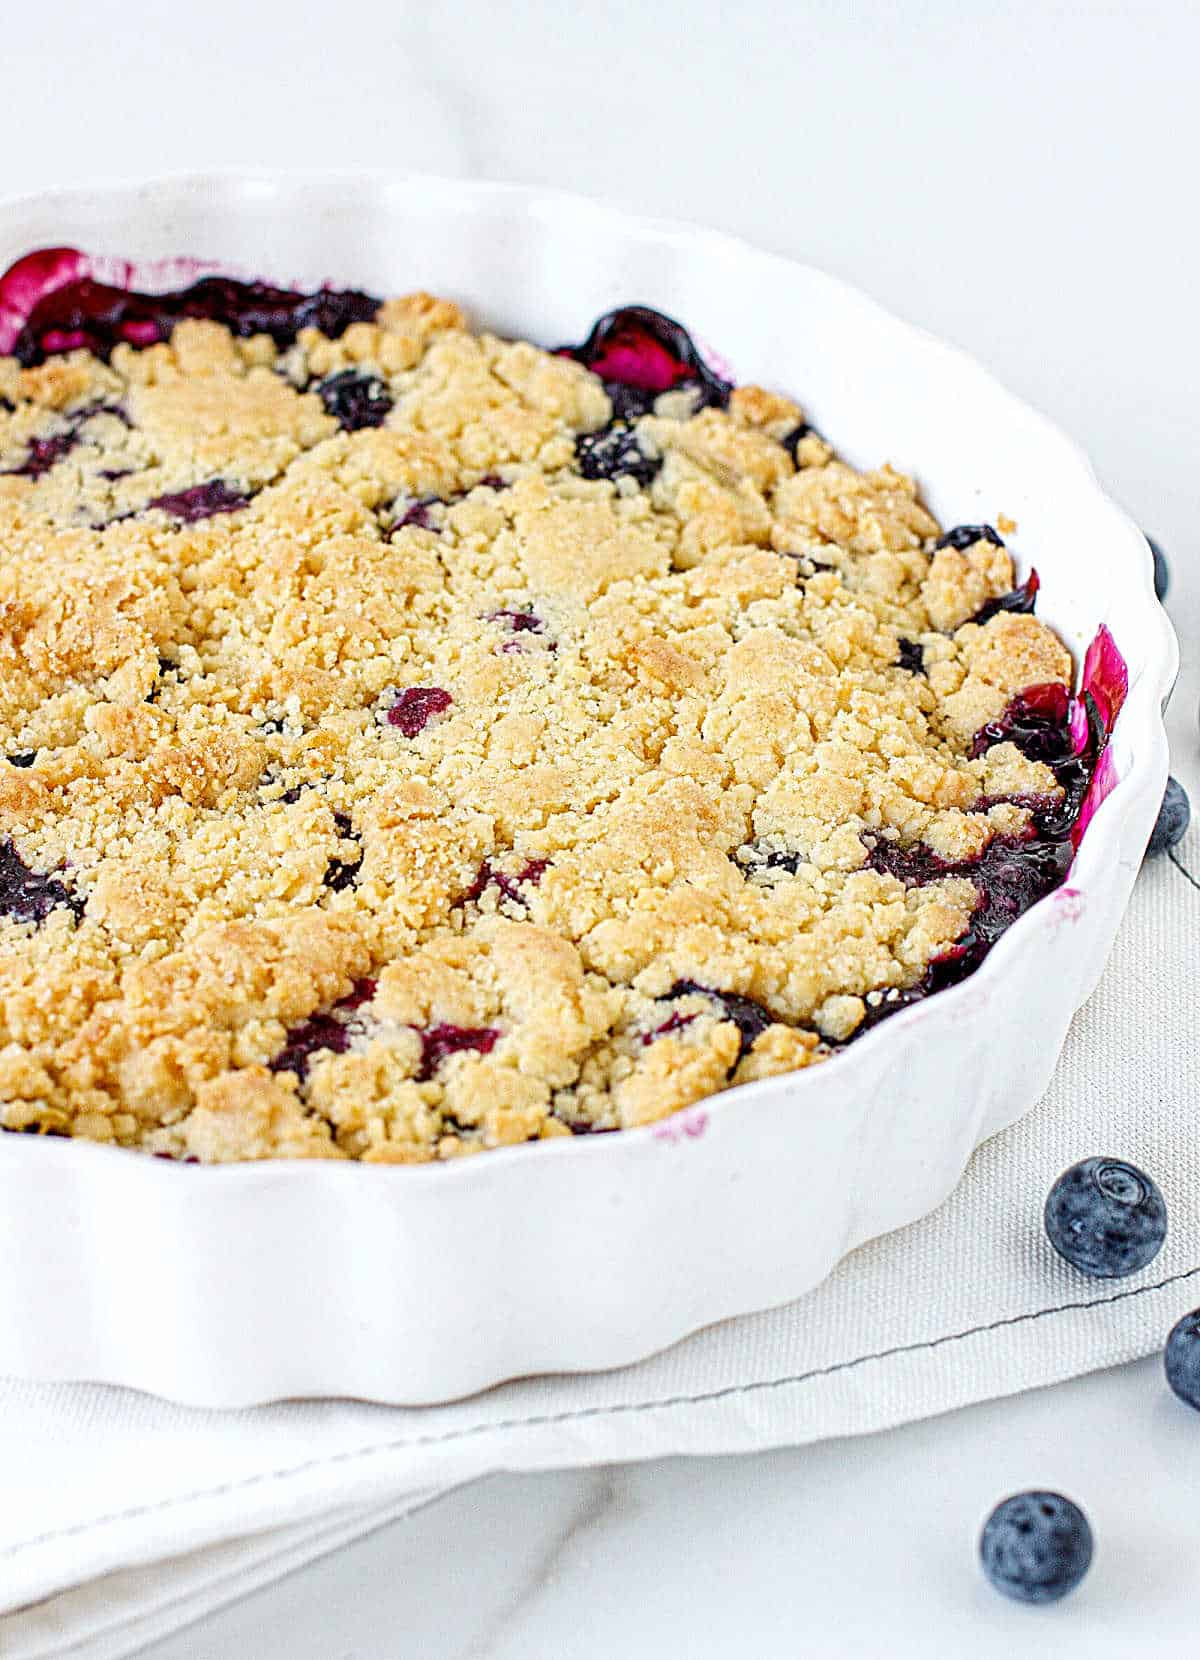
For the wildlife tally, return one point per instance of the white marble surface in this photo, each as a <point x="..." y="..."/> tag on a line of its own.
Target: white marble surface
<point x="854" y="1548"/>
<point x="1019" y="178"/>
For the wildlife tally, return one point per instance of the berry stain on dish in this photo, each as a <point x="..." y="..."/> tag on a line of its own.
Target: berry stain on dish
<point x="668" y="512"/>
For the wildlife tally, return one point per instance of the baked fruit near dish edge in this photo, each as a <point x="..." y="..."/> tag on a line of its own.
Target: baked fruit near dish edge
<point x="419" y="741"/>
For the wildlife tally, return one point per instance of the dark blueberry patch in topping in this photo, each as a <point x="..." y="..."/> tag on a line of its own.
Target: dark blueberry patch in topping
<point x="1036" y="721"/>
<point x="510" y="886"/>
<point x="354" y="400"/>
<point x="98" y="317"/>
<point x="674" y="1023"/>
<point x="413" y="707"/>
<point x="518" y="622"/>
<point x="966" y="536"/>
<point x="792" y="440"/>
<point x="910" y="655"/>
<point x="1162" y="571"/>
<point x="750" y="1018"/>
<point x="44" y="453"/>
<point x="637" y="347"/>
<point x="414" y="510"/>
<point x="28" y="895"/>
<point x="332" y="1029"/>
<point x="807" y="566"/>
<point x="339" y="873"/>
<point x="629" y="403"/>
<point x="1174" y="816"/>
<point x="417" y="514"/>
<point x="1013" y="872"/>
<point x="439" y="1042"/>
<point x="1020" y="600"/>
<point x="201" y="501"/>
<point x="613" y="453"/>
<point x="22" y="758"/>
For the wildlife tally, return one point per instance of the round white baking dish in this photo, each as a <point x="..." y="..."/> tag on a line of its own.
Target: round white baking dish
<point x="232" y="1285"/>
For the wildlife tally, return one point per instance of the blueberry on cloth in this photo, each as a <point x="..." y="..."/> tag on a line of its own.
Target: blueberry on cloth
<point x="1106" y="1218"/>
<point x="1174" y="816"/>
<point x="1181" y="1359"/>
<point x="1035" y="1547"/>
<point x="1162" y="571"/>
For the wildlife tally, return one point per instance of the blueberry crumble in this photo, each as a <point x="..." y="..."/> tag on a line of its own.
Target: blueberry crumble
<point x="416" y="742"/>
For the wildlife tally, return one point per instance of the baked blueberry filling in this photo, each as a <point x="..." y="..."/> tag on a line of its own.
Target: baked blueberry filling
<point x="412" y="708"/>
<point x="509" y="886"/>
<point x="910" y="655"/>
<point x="614" y="452"/>
<point x="96" y="317"/>
<point x="331" y="1029"/>
<point x="29" y="895"/>
<point x="414" y="510"/>
<point x="44" y="453"/>
<point x="1020" y="600"/>
<point x="518" y="622"/>
<point x="792" y="440"/>
<point x="355" y="400"/>
<point x="441" y="1041"/>
<point x="750" y="1018"/>
<point x="342" y="873"/>
<point x="201" y="501"/>
<point x="1013" y="872"/>
<point x="675" y="1022"/>
<point x="644" y="353"/>
<point x="966" y="536"/>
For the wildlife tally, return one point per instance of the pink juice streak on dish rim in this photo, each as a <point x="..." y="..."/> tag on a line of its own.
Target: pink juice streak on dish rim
<point x="688" y="1124"/>
<point x="1106" y="677"/>
<point x="39" y="273"/>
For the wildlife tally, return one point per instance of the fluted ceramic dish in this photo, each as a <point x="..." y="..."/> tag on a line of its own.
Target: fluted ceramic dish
<point x="236" y="1284"/>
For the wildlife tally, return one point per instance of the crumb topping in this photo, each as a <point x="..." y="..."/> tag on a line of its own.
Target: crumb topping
<point x="417" y="743"/>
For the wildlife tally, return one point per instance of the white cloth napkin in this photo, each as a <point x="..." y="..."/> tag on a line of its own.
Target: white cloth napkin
<point x="124" y="1517"/>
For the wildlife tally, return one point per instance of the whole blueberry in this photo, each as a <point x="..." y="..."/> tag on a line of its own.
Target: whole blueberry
<point x="1162" y="571"/>
<point x="1035" y="1547"/>
<point x="1106" y="1218"/>
<point x="1181" y="1358"/>
<point x="1174" y="816"/>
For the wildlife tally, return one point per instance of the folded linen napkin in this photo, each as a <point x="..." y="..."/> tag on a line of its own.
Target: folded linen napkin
<point x="124" y="1517"/>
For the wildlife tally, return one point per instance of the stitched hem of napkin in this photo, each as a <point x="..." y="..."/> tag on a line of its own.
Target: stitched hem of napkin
<point x="618" y="1409"/>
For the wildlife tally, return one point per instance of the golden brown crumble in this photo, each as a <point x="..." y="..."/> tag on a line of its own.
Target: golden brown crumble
<point x="674" y="722"/>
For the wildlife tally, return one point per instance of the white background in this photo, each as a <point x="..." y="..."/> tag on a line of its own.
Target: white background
<point x="1020" y="178"/>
